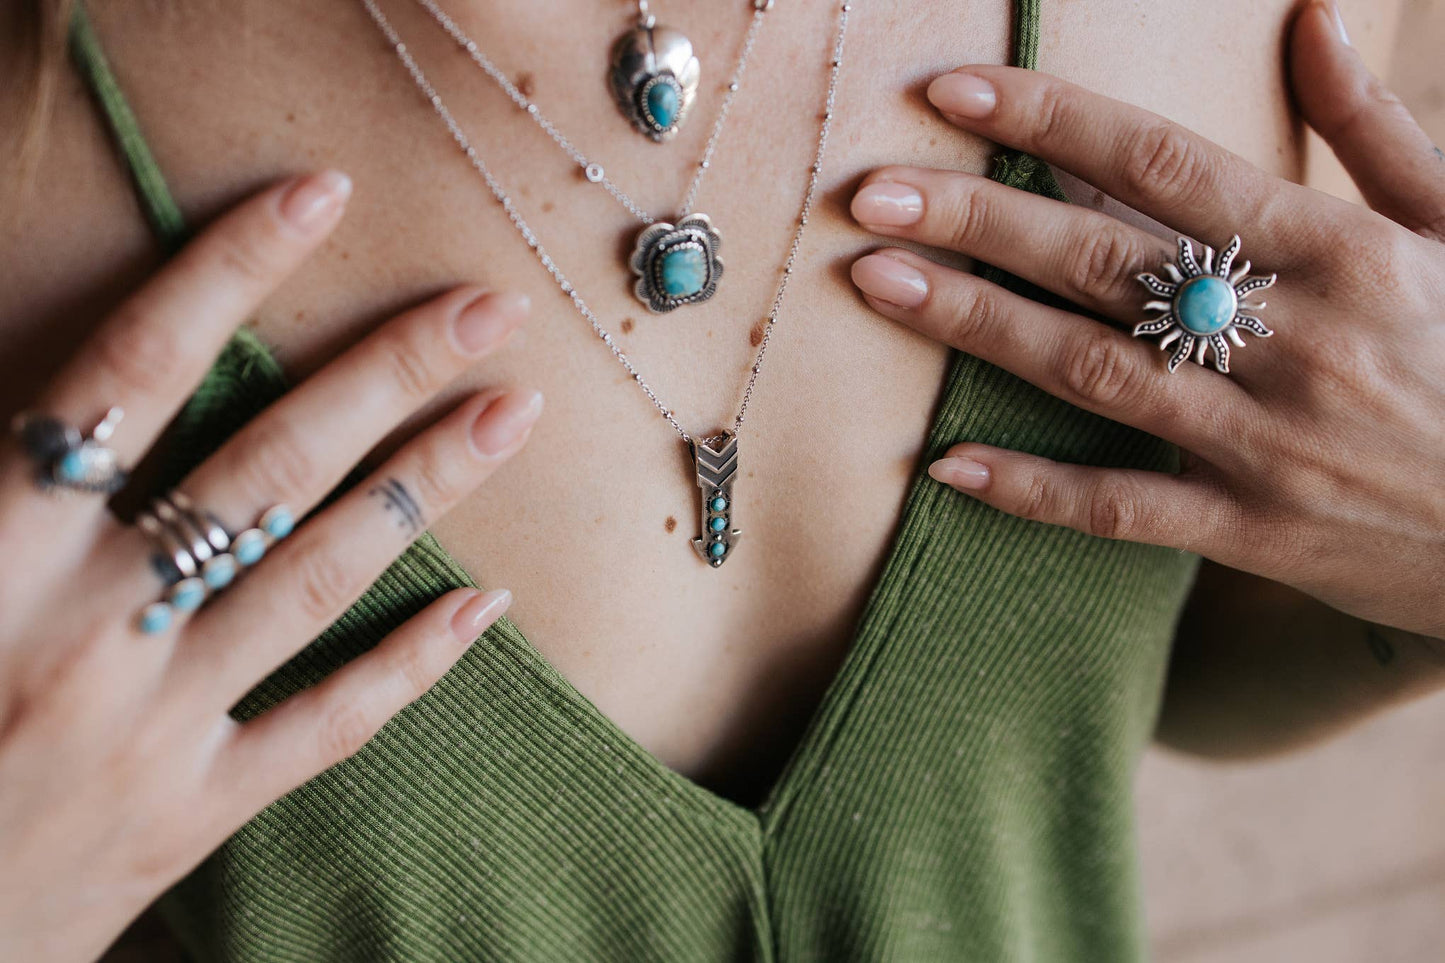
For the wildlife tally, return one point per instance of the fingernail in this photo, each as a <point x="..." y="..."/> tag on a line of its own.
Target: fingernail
<point x="474" y="617"/>
<point x="960" y="473"/>
<point x="310" y="200"/>
<point x="888" y="204"/>
<point x="506" y="421"/>
<point x="1340" y="24"/>
<point x="889" y="279"/>
<point x="964" y="95"/>
<point x="485" y="322"/>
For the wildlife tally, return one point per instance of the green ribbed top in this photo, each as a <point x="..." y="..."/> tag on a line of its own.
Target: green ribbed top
<point x="963" y="792"/>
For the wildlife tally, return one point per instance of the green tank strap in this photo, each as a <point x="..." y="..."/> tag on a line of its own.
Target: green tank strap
<point x="150" y="185"/>
<point x="1012" y="167"/>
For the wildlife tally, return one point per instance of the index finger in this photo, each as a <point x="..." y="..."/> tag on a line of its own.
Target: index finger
<point x="1152" y="164"/>
<point x="150" y="353"/>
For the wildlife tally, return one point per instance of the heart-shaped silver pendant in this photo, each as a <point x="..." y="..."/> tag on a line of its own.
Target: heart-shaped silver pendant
<point x="654" y="77"/>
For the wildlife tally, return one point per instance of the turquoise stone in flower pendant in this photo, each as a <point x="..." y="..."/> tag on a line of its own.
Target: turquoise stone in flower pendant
<point x="677" y="264"/>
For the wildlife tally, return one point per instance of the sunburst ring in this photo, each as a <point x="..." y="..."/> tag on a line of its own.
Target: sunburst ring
<point x="1201" y="302"/>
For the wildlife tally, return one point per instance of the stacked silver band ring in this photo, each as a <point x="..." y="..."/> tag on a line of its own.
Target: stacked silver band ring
<point x="197" y="556"/>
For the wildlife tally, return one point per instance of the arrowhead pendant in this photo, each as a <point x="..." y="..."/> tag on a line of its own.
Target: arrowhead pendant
<point x="717" y="465"/>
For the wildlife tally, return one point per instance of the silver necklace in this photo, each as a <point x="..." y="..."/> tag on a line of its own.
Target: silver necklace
<point x="715" y="458"/>
<point x="673" y="262"/>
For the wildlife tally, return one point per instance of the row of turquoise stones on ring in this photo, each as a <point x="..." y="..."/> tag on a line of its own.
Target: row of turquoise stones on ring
<point x="219" y="571"/>
<point x="717" y="506"/>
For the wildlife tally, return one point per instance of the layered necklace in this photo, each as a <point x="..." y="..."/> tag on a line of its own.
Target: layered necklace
<point x="654" y="78"/>
<point x="715" y="457"/>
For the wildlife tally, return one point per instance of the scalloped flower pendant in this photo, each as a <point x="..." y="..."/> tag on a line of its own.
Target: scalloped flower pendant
<point x="677" y="264"/>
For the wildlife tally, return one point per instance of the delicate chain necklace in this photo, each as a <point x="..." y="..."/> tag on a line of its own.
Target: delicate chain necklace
<point x="675" y="264"/>
<point x="715" y="458"/>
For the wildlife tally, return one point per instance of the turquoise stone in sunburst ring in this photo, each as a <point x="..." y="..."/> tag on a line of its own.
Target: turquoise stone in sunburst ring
<point x="1205" y="305"/>
<point x="683" y="271"/>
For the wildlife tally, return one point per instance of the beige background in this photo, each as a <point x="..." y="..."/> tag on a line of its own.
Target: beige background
<point x="1331" y="855"/>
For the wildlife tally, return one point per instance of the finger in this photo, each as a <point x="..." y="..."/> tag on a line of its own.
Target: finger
<point x="1087" y="364"/>
<point x="1397" y="168"/>
<point x="301" y="447"/>
<point x="312" y="577"/>
<point x="1125" y="504"/>
<point x="1087" y="257"/>
<point x="150" y="354"/>
<point x="1149" y="163"/>
<point x="319" y="727"/>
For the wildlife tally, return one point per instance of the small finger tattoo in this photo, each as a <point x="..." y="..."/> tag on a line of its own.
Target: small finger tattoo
<point x="399" y="504"/>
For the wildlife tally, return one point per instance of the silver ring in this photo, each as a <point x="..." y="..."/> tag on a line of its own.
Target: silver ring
<point x="202" y="556"/>
<point x="66" y="458"/>
<point x="179" y="525"/>
<point x="206" y="523"/>
<point x="1203" y="302"/>
<point x="173" y="548"/>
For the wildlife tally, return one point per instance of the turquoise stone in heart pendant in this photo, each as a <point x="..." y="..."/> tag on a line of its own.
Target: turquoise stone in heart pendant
<point x="677" y="264"/>
<point x="654" y="77"/>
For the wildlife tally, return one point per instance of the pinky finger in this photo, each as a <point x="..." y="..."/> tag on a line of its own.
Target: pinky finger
<point x="319" y="727"/>
<point x="1125" y="504"/>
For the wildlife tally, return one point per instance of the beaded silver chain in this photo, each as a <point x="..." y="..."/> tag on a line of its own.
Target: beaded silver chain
<point x="591" y="169"/>
<point x="530" y="237"/>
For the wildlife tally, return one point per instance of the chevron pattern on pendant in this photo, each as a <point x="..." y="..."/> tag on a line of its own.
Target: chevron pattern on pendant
<point x="716" y="465"/>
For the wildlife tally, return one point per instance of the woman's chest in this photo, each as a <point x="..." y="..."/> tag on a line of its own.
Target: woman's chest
<point x="592" y="526"/>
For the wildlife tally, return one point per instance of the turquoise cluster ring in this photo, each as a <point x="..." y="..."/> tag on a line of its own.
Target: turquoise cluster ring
<point x="1202" y="301"/>
<point x="197" y="557"/>
<point x="66" y="458"/>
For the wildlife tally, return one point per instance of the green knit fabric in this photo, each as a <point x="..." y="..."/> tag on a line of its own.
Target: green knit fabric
<point x="962" y="794"/>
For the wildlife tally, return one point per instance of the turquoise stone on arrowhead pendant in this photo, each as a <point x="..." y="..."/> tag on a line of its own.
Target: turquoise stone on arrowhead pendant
<point x="684" y="272"/>
<point x="1206" y="305"/>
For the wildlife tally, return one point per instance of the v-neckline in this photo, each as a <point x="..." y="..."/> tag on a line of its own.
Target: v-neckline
<point x="810" y="750"/>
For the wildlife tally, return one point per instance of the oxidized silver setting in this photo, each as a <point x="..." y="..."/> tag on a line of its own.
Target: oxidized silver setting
<point x="717" y="464"/>
<point x="694" y="232"/>
<point x="643" y="57"/>
<point x="1193" y="340"/>
<point x="65" y="458"/>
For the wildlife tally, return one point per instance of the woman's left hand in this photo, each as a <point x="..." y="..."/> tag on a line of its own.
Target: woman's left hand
<point x="1319" y="460"/>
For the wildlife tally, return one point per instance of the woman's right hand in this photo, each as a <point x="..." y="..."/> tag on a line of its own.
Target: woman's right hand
<point x="120" y="767"/>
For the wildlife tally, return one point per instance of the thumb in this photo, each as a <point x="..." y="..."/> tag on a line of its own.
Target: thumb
<point x="1398" y="170"/>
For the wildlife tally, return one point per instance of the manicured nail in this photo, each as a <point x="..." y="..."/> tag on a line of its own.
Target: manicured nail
<point x="1339" y="24"/>
<point x="963" y="95"/>
<point x="481" y="611"/>
<point x="889" y="279"/>
<point x="960" y="473"/>
<point x="888" y="204"/>
<point x="506" y="421"/>
<point x="485" y="322"/>
<point x="310" y="200"/>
